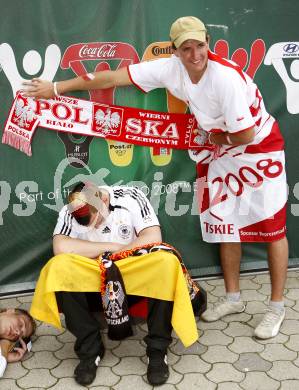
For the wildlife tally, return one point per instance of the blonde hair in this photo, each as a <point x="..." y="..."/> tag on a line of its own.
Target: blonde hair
<point x="23" y="312"/>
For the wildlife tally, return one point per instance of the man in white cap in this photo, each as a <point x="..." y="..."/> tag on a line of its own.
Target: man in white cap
<point x="248" y="157"/>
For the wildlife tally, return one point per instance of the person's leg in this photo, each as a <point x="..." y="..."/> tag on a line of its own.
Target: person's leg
<point x="230" y="255"/>
<point x="158" y="340"/>
<point x="159" y="324"/>
<point x="80" y="322"/>
<point x="278" y="254"/>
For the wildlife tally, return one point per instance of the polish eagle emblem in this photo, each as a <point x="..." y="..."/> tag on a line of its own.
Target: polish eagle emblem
<point x="23" y="115"/>
<point x="107" y="121"/>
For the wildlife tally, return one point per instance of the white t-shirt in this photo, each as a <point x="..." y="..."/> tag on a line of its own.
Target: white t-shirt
<point x="225" y="98"/>
<point x="132" y="213"/>
<point x="3" y="364"/>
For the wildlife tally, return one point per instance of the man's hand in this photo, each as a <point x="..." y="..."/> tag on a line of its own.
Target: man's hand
<point x="17" y="354"/>
<point x="201" y="138"/>
<point x="39" y="89"/>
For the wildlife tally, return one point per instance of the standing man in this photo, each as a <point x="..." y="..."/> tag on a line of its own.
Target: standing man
<point x="246" y="194"/>
<point x="110" y="219"/>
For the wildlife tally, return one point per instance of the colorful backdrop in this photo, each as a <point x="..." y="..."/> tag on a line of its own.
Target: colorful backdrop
<point x="59" y="39"/>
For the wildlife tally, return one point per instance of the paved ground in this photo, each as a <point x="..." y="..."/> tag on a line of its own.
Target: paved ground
<point x="226" y="357"/>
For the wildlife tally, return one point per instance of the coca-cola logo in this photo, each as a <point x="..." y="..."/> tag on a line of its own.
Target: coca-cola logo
<point x="100" y="53"/>
<point x="93" y="52"/>
<point x="97" y="51"/>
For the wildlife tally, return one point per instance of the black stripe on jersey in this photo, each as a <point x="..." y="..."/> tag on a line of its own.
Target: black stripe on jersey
<point x="67" y="225"/>
<point x="136" y="195"/>
<point x="70" y="225"/>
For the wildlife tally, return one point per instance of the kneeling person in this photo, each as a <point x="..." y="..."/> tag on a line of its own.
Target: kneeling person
<point x="96" y="220"/>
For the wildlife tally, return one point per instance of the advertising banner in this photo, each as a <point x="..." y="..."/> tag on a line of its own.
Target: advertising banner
<point x="61" y="39"/>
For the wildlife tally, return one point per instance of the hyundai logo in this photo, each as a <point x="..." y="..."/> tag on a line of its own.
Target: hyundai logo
<point x="291" y="48"/>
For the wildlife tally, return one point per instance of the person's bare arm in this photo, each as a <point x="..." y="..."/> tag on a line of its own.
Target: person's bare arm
<point x="42" y="89"/>
<point x="241" y="138"/>
<point x="146" y="236"/>
<point x="65" y="244"/>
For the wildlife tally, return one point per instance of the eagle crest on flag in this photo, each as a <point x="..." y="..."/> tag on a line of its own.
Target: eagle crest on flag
<point x="23" y="115"/>
<point x="107" y="121"/>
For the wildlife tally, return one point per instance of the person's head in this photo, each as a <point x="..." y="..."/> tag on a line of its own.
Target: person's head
<point x="15" y="324"/>
<point x="88" y="205"/>
<point x="190" y="42"/>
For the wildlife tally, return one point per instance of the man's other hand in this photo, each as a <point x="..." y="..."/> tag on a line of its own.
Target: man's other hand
<point x="17" y="353"/>
<point x="39" y="89"/>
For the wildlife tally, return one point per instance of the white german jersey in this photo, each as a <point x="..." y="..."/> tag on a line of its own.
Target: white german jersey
<point x="131" y="213"/>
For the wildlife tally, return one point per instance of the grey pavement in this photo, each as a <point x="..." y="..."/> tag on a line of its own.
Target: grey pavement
<point x="226" y="356"/>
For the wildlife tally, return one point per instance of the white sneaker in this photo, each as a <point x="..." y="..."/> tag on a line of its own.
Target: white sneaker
<point x="221" y="309"/>
<point x="270" y="324"/>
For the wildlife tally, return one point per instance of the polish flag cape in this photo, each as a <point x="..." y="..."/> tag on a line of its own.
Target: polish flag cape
<point x="79" y="116"/>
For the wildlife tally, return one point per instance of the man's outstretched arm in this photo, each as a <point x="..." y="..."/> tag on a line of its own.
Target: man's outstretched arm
<point x="42" y="89"/>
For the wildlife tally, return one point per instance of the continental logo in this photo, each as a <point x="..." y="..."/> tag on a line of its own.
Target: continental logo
<point x="157" y="51"/>
<point x="154" y="51"/>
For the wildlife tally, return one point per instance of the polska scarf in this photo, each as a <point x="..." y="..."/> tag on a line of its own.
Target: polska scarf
<point x="123" y="124"/>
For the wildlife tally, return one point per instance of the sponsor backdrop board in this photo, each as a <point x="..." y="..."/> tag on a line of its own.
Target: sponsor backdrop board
<point x="62" y="38"/>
